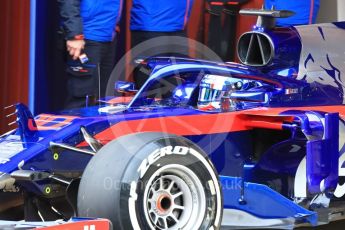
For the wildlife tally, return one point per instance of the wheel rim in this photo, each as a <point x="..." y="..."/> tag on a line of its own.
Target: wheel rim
<point x="174" y="199"/>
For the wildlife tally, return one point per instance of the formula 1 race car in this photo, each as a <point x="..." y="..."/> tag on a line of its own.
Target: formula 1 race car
<point x="202" y="145"/>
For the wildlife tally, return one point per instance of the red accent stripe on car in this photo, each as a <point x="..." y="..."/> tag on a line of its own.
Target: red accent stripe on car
<point x="209" y="123"/>
<point x="191" y="125"/>
<point x="179" y="125"/>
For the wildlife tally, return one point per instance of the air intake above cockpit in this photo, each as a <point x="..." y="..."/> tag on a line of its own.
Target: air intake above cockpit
<point x="255" y="49"/>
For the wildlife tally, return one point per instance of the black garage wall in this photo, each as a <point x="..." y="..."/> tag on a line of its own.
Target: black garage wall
<point x="50" y="78"/>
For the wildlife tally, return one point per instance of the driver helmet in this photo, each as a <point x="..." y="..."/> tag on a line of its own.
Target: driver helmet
<point x="212" y="89"/>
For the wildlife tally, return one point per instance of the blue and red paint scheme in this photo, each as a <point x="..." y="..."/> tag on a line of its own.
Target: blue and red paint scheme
<point x="279" y="148"/>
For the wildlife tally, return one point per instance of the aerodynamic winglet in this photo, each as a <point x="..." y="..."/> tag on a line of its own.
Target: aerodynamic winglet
<point x="27" y="127"/>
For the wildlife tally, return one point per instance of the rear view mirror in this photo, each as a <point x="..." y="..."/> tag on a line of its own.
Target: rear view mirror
<point x="125" y="87"/>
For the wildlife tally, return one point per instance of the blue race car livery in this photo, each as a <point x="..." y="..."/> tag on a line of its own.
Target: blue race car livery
<point x="202" y="145"/>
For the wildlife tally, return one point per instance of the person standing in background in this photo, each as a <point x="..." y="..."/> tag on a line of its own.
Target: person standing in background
<point x="90" y="32"/>
<point x="306" y="11"/>
<point x="157" y="18"/>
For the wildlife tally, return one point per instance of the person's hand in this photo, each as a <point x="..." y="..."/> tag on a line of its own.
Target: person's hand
<point x="74" y="47"/>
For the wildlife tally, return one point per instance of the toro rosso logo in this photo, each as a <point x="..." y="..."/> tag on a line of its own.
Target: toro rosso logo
<point x="322" y="58"/>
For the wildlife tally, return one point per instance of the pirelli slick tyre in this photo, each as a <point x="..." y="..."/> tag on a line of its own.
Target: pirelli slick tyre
<point x="152" y="181"/>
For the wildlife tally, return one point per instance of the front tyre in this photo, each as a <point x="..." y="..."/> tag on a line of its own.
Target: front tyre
<point x="152" y="181"/>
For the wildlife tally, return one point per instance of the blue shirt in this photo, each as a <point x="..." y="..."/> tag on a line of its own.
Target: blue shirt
<point x="100" y="18"/>
<point x="306" y="11"/>
<point x="160" y="15"/>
